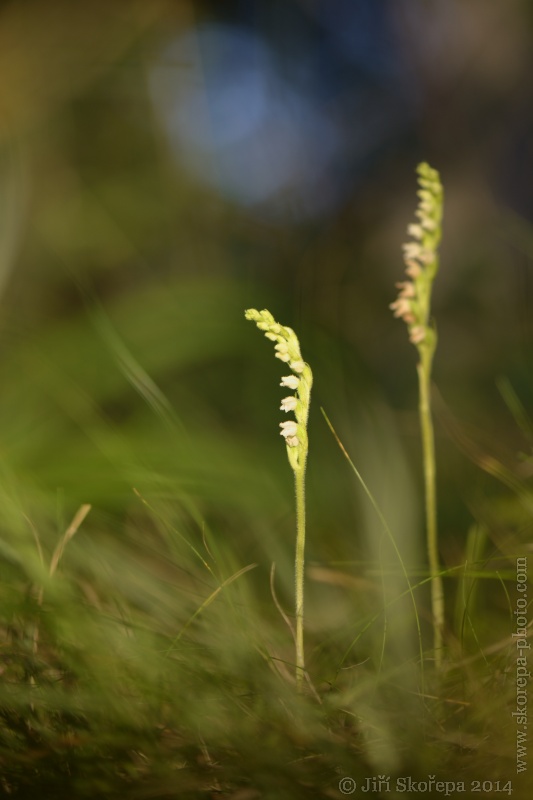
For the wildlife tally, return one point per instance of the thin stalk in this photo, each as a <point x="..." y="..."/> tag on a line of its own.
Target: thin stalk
<point x="299" y="568"/>
<point x="428" y="449"/>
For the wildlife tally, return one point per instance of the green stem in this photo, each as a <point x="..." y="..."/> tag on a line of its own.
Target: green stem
<point x="428" y="446"/>
<point x="299" y="481"/>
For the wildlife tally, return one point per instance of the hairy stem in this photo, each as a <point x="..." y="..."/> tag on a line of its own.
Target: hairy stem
<point x="428" y="446"/>
<point x="299" y="480"/>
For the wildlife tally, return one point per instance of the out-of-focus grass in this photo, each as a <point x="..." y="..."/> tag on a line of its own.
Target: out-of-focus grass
<point x="153" y="661"/>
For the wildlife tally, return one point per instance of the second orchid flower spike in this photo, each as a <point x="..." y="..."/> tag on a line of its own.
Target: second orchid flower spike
<point x="421" y="260"/>
<point x="413" y="305"/>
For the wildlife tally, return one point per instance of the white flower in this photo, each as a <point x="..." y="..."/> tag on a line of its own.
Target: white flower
<point x="401" y="307"/>
<point x="297" y="366"/>
<point x="289" y="428"/>
<point x="290" y="381"/>
<point x="412" y="250"/>
<point x="288" y="404"/>
<point x="416" y="231"/>
<point x="292" y="441"/>
<point x="407" y="289"/>
<point x="413" y="269"/>
<point x="417" y="334"/>
<point x="283" y="352"/>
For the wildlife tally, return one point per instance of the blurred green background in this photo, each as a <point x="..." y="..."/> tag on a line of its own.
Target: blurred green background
<point x="165" y="165"/>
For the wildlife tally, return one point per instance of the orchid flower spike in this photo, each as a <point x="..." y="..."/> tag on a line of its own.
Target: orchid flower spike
<point x="287" y="349"/>
<point x="294" y="431"/>
<point x="421" y="261"/>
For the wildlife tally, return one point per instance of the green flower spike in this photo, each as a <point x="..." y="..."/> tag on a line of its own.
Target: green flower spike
<point x="414" y="306"/>
<point x="287" y="349"/>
